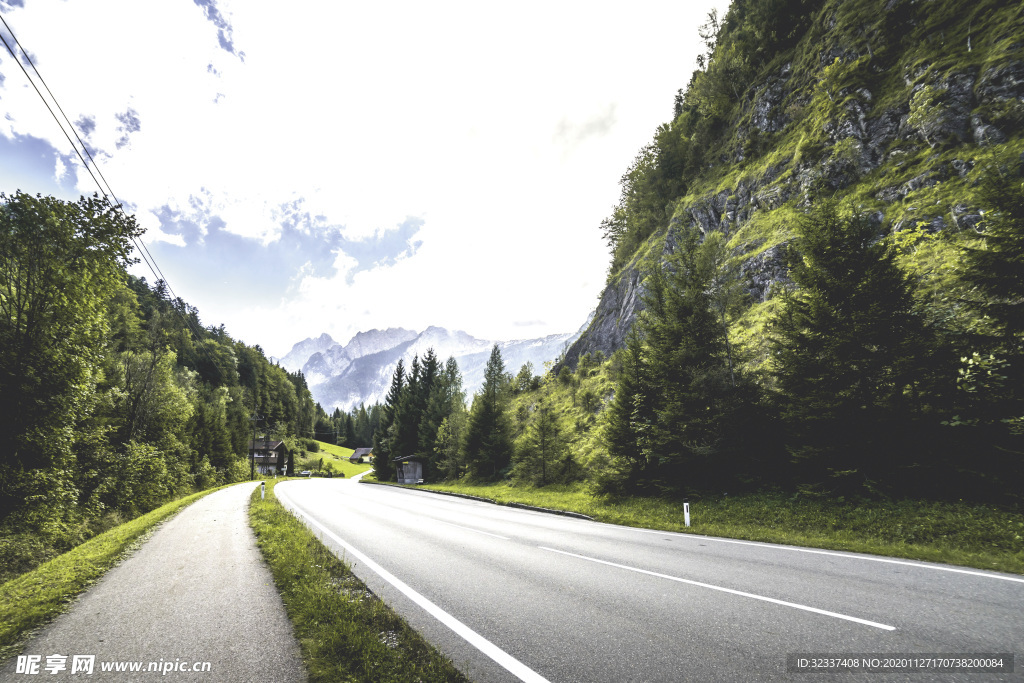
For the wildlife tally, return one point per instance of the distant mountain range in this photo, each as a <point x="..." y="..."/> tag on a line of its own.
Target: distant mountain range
<point x="343" y="376"/>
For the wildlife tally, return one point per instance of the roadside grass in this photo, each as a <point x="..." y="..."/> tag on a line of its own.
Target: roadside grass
<point x="345" y="631"/>
<point x="970" y="535"/>
<point x="34" y="598"/>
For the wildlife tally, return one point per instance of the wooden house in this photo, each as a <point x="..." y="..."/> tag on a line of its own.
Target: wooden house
<point x="361" y="455"/>
<point x="270" y="456"/>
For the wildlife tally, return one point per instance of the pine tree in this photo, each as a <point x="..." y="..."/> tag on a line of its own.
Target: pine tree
<point x="383" y="468"/>
<point x="488" y="444"/>
<point x="691" y="408"/>
<point x="843" y="352"/>
<point x="996" y="270"/>
<point x="990" y="381"/>
<point x="543" y="455"/>
<point x="630" y="418"/>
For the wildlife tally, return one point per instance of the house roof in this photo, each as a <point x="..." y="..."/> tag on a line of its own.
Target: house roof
<point x="262" y="445"/>
<point x="361" y="452"/>
<point x="409" y="458"/>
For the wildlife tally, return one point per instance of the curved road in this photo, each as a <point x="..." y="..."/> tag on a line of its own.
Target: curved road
<point x="512" y="594"/>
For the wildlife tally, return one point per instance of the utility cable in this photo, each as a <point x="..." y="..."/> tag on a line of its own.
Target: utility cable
<point x="116" y="205"/>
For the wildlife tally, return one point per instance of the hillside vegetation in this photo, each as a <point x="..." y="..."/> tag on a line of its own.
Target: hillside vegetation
<point x="817" y="270"/>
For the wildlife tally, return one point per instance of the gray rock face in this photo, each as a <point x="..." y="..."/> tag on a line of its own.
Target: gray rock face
<point x="964" y="109"/>
<point x="765" y="272"/>
<point x="766" y="113"/>
<point x="620" y="304"/>
<point x="1000" y="83"/>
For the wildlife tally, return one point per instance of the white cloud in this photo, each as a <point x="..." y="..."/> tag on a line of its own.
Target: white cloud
<point x="504" y="128"/>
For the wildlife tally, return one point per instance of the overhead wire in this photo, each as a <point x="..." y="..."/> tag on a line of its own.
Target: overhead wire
<point x="104" y="187"/>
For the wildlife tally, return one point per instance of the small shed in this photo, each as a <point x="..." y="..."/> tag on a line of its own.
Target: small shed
<point x="410" y="469"/>
<point x="361" y="455"/>
<point x="270" y="456"/>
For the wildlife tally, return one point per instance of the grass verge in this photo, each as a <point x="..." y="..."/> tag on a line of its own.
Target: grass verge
<point x="345" y="631"/>
<point x="34" y="598"/>
<point x="977" y="536"/>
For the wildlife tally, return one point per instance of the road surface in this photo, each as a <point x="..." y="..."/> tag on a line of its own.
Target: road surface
<point x="513" y="594"/>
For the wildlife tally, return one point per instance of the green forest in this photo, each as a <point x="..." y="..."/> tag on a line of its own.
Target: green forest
<point x="113" y="397"/>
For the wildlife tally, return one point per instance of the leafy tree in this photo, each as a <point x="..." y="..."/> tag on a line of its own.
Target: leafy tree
<point x="60" y="265"/>
<point x="448" y="448"/>
<point x="525" y="379"/>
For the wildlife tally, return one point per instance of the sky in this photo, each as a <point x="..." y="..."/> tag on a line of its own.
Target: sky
<point x="337" y="166"/>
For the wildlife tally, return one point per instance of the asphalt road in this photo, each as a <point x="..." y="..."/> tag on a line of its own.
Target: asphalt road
<point x="513" y="595"/>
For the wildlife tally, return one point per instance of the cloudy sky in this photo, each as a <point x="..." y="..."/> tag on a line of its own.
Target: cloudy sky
<point x="336" y="166"/>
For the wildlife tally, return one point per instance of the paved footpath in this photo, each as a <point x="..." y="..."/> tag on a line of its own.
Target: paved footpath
<point x="196" y="594"/>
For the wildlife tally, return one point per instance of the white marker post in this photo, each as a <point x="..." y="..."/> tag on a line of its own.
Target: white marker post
<point x="686" y="513"/>
<point x="263" y="494"/>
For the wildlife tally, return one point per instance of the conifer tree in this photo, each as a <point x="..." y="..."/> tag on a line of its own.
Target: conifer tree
<point x="542" y="457"/>
<point x="383" y="468"/>
<point x="700" y="401"/>
<point x="990" y="381"/>
<point x="630" y="418"/>
<point x="996" y="270"/>
<point x="406" y="417"/>
<point x="843" y="350"/>
<point x="488" y="444"/>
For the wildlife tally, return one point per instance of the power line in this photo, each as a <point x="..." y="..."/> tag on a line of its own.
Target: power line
<point x="104" y="187"/>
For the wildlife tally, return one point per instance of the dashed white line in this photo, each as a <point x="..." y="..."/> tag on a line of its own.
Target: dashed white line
<point x="813" y="551"/>
<point x="784" y="603"/>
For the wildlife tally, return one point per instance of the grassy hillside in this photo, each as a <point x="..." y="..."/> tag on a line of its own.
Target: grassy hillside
<point x="334" y="459"/>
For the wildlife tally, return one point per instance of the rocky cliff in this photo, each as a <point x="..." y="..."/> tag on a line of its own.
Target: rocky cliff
<point x="887" y="105"/>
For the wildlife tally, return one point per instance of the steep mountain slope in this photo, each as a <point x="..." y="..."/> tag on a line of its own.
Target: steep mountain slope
<point x="891" y="106"/>
<point x="301" y="352"/>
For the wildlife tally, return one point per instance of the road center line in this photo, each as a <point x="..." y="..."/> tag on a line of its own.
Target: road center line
<point x="795" y="605"/>
<point x="475" y="531"/>
<point x="848" y="555"/>
<point x="507" y="661"/>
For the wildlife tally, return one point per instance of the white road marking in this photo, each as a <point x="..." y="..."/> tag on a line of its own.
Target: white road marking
<point x="850" y="555"/>
<point x="475" y="531"/>
<point x="507" y="661"/>
<point x="795" y="605"/>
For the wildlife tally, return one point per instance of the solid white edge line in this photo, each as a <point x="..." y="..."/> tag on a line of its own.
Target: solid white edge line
<point x="849" y="555"/>
<point x="795" y="605"/>
<point x="507" y="661"/>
